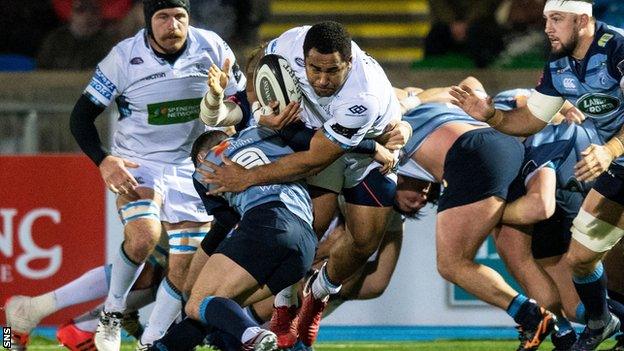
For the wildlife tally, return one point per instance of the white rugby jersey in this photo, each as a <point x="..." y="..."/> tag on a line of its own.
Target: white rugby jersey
<point x="361" y="108"/>
<point x="158" y="102"/>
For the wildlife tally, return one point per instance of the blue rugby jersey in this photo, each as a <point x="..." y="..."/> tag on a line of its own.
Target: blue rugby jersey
<point x="593" y="85"/>
<point x="253" y="147"/>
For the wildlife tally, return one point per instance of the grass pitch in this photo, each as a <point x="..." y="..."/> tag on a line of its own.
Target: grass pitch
<point x="39" y="343"/>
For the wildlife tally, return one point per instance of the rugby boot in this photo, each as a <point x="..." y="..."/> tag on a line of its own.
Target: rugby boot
<point x="563" y="341"/>
<point x="531" y="339"/>
<point x="264" y="341"/>
<point x="282" y="325"/>
<point x="310" y="313"/>
<point x="75" y="339"/>
<point x="108" y="333"/>
<point x="22" y="315"/>
<point x="591" y="338"/>
<point x="619" y="345"/>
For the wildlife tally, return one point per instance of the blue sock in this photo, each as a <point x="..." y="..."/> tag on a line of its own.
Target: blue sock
<point x="564" y="325"/>
<point x="592" y="290"/>
<point x="515" y="304"/>
<point x="580" y="314"/>
<point x="226" y="315"/>
<point x="183" y="336"/>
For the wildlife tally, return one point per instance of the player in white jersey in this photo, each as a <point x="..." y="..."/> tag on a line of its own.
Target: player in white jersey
<point x="347" y="98"/>
<point x="157" y="78"/>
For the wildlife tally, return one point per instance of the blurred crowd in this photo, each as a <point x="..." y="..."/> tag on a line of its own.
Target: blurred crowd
<point x="494" y="32"/>
<point x="77" y="34"/>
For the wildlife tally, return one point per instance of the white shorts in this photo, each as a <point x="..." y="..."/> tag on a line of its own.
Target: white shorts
<point x="174" y="183"/>
<point x="346" y="172"/>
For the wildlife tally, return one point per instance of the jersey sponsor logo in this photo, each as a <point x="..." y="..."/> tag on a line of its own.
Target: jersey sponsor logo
<point x="154" y="76"/>
<point x="597" y="104"/>
<point x="173" y="112"/>
<point x="136" y="61"/>
<point x="357" y="109"/>
<point x="568" y="83"/>
<point x="102" y="85"/>
<point x="344" y="131"/>
<point x="602" y="42"/>
<point x="251" y="157"/>
<point x="300" y="62"/>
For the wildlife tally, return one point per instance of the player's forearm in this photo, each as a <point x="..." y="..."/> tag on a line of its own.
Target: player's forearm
<point x="517" y="122"/>
<point x="615" y="145"/>
<point x="82" y="126"/>
<point x="529" y="209"/>
<point x="289" y="168"/>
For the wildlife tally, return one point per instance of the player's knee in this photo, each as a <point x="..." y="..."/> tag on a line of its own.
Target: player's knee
<point x="581" y="265"/>
<point x="139" y="244"/>
<point x="447" y="267"/>
<point x="594" y="233"/>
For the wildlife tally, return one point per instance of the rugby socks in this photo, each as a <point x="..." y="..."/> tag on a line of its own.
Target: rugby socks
<point x="251" y="313"/>
<point x="580" y="314"/>
<point x="89" y="320"/>
<point x="322" y="286"/>
<point x="287" y="297"/>
<point x="228" y="316"/>
<point x="592" y="290"/>
<point x="166" y="310"/>
<point x="140" y="298"/>
<point x="124" y="273"/>
<point x="564" y="325"/>
<point x="183" y="336"/>
<point x="525" y="312"/>
<point x="89" y="286"/>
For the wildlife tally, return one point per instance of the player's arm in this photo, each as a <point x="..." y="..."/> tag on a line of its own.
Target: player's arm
<point x="82" y="127"/>
<point x="539" y="201"/>
<point x="215" y="109"/>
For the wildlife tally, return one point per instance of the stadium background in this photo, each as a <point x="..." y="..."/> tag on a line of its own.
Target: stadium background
<point x="57" y="220"/>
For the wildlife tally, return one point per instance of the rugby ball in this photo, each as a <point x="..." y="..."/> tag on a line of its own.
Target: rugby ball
<point x="275" y="80"/>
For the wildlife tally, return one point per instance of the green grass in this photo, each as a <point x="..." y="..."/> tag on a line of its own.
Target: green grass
<point x="39" y="343"/>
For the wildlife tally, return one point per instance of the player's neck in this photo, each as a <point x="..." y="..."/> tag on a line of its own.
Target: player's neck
<point x="586" y="38"/>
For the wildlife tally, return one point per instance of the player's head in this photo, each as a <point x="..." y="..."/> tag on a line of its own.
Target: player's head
<point x="327" y="52"/>
<point x="413" y="194"/>
<point x="250" y="69"/>
<point x="566" y="21"/>
<point x="167" y="23"/>
<point x="204" y="143"/>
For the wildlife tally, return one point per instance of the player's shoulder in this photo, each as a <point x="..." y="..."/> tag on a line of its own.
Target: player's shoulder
<point x="205" y="36"/>
<point x="289" y="43"/>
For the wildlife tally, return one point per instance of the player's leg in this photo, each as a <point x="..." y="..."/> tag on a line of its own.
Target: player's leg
<point x="140" y="214"/>
<point x="23" y="313"/>
<point x="596" y="229"/>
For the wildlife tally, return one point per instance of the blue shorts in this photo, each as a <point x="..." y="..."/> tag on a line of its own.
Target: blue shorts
<point x="610" y="184"/>
<point x="481" y="163"/>
<point x="375" y="190"/>
<point x="271" y="243"/>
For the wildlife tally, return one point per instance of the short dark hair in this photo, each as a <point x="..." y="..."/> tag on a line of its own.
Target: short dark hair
<point x="206" y="141"/>
<point x="432" y="198"/>
<point x="328" y="37"/>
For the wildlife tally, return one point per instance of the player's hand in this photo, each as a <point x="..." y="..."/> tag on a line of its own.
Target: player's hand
<point x="277" y="120"/>
<point x="480" y="109"/>
<point x="116" y="176"/>
<point x="574" y="115"/>
<point x="398" y="136"/>
<point x="595" y="160"/>
<point x="386" y="158"/>
<point x="218" y="78"/>
<point x="229" y="177"/>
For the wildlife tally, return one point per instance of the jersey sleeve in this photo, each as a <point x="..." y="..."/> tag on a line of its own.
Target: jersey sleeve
<point x="351" y="120"/>
<point x="108" y="81"/>
<point x="237" y="81"/>
<point x="545" y="84"/>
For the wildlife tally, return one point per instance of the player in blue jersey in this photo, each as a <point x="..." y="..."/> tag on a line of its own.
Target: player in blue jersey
<point x="449" y="147"/>
<point x="271" y="248"/>
<point x="586" y="68"/>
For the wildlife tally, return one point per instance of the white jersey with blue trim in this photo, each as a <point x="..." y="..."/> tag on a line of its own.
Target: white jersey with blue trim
<point x="425" y="119"/>
<point x="158" y="102"/>
<point x="361" y="108"/>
